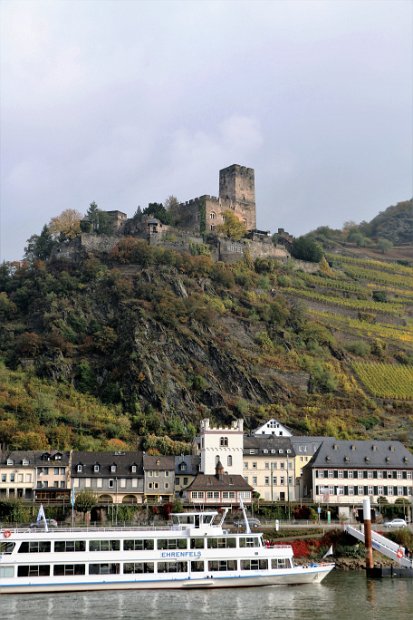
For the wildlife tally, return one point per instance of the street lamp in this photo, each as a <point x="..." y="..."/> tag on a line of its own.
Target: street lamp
<point x="288" y="489"/>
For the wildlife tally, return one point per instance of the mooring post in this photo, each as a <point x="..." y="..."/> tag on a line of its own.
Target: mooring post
<point x="367" y="533"/>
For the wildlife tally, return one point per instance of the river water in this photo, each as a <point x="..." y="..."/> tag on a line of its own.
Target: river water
<point x="342" y="596"/>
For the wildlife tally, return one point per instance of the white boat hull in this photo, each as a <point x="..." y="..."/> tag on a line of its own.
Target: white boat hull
<point x="294" y="576"/>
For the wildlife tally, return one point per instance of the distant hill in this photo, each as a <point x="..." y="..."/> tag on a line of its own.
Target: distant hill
<point x="394" y="224"/>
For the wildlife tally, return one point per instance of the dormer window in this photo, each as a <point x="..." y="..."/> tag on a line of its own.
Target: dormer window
<point x="133" y="469"/>
<point x="182" y="467"/>
<point x="353" y="447"/>
<point x="223" y="442"/>
<point x="113" y="469"/>
<point x="96" y="468"/>
<point x="58" y="457"/>
<point x="79" y="469"/>
<point x="25" y="462"/>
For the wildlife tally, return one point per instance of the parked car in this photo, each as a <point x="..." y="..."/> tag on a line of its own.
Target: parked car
<point x="251" y="522"/>
<point x="40" y="524"/>
<point x="396" y="523"/>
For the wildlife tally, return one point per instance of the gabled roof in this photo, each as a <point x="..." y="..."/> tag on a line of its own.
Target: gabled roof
<point x="225" y="482"/>
<point x="158" y="463"/>
<point x="122" y="460"/>
<point x="36" y="457"/>
<point x="191" y="463"/>
<point x="362" y="454"/>
<point x="269" y="445"/>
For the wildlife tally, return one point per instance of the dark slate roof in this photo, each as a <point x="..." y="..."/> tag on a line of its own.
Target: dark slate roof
<point x="159" y="463"/>
<point x="192" y="464"/>
<point x="362" y="454"/>
<point x="122" y="460"/>
<point x="307" y="445"/>
<point x="268" y="445"/>
<point x="226" y="482"/>
<point x="37" y="458"/>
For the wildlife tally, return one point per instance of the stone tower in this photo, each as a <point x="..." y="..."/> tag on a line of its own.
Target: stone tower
<point x="222" y="445"/>
<point x="237" y="183"/>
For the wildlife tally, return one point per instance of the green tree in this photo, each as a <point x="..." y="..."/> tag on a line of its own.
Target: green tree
<point x="232" y="227"/>
<point x="306" y="249"/>
<point x="85" y="500"/>
<point x="158" y="211"/>
<point x="40" y="247"/>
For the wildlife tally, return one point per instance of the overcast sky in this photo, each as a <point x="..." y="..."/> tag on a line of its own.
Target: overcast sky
<point x="125" y="102"/>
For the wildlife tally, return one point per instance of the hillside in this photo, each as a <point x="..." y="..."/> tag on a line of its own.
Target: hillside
<point x="146" y="342"/>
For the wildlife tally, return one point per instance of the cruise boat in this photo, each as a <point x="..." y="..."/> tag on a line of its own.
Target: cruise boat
<point x="195" y="552"/>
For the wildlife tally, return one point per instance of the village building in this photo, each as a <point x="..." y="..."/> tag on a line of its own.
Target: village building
<point x="342" y="472"/>
<point x="159" y="472"/>
<point x="268" y="466"/>
<point x="35" y="475"/>
<point x="223" y="444"/>
<point x="219" y="489"/>
<point x="115" y="477"/>
<point x="273" y="427"/>
<point x="186" y="468"/>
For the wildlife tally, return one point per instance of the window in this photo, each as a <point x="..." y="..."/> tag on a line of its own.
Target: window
<point x="221" y="543"/>
<point x="254" y="466"/>
<point x="254" y="564"/>
<point x="330" y="473"/>
<point x="133" y="469"/>
<point x="42" y="570"/>
<point x="267" y="480"/>
<point x="351" y="474"/>
<point x="104" y="569"/>
<point x="249" y="541"/>
<point x="113" y="469"/>
<point x="139" y="544"/>
<point x="96" y="469"/>
<point x="222" y="565"/>
<point x="138" y="567"/>
<point x="254" y="480"/>
<point x="172" y="567"/>
<point x="35" y="547"/>
<point x="68" y="546"/>
<point x="69" y="569"/>
<point x="104" y="545"/>
<point x="351" y="490"/>
<point x="79" y="469"/>
<point x="56" y="471"/>
<point x="111" y="483"/>
<point x="223" y="442"/>
<point x="12" y="477"/>
<point x="229" y="461"/>
<point x="245" y="465"/>
<point x="197" y="566"/>
<point x="4" y="477"/>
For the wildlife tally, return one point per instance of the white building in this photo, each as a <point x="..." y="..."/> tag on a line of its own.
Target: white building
<point x="272" y="427"/>
<point x="224" y="444"/>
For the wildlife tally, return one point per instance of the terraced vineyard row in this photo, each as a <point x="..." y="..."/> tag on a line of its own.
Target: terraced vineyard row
<point x="386" y="380"/>
<point x="372" y="264"/>
<point x="381" y="277"/>
<point x="362" y="305"/>
<point x="373" y="330"/>
<point x="335" y="284"/>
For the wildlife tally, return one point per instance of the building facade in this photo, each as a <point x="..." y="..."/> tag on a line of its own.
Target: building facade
<point x="159" y="473"/>
<point x="221" y="444"/>
<point x="343" y="472"/>
<point x="268" y="466"/>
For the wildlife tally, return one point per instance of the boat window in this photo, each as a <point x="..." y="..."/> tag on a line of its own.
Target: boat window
<point x="172" y="543"/>
<point x="104" y="569"/>
<point x="104" y="545"/>
<point x="254" y="564"/>
<point x="279" y="563"/>
<point x="69" y="569"/>
<point x="33" y="570"/>
<point x="207" y="518"/>
<point x="222" y="565"/>
<point x="69" y="545"/>
<point x="140" y="544"/>
<point x="197" y="566"/>
<point x="197" y="543"/>
<point x="249" y="541"/>
<point x="6" y="547"/>
<point x="38" y="546"/>
<point x="172" y="567"/>
<point x="222" y="543"/>
<point x="138" y="567"/>
<point x="6" y="571"/>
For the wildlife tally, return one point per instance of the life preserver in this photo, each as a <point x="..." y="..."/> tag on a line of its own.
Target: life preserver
<point x="400" y="553"/>
<point x="7" y="533"/>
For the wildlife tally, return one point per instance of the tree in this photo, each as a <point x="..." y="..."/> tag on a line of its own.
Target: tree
<point x="158" y="211"/>
<point x="172" y="207"/>
<point x="65" y="226"/>
<point x="40" y="246"/>
<point x="384" y="245"/>
<point x="85" y="500"/>
<point x="232" y="227"/>
<point x="306" y="249"/>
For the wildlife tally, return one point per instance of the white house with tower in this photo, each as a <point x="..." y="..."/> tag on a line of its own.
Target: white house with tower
<point x="222" y="444"/>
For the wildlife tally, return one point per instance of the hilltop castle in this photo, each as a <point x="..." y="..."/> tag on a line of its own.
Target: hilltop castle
<point x="236" y="194"/>
<point x="195" y="225"/>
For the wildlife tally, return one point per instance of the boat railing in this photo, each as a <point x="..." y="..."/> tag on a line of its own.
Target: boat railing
<point x="89" y="528"/>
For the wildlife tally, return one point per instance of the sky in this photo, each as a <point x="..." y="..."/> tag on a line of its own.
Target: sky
<point x="126" y="102"/>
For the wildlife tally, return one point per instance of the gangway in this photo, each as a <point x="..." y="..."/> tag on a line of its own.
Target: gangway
<point x="382" y="544"/>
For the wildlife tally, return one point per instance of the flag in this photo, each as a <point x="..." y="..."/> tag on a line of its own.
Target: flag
<point x="41" y="517"/>
<point x="72" y="497"/>
<point x="328" y="552"/>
